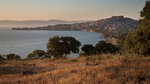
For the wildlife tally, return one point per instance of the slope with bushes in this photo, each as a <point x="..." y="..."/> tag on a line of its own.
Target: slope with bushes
<point x="105" y="69"/>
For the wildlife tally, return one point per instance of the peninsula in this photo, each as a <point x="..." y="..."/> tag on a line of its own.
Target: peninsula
<point x="112" y="23"/>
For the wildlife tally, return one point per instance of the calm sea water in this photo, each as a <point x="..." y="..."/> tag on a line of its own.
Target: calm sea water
<point x="24" y="42"/>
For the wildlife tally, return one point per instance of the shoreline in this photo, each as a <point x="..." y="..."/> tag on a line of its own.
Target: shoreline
<point x="107" y="39"/>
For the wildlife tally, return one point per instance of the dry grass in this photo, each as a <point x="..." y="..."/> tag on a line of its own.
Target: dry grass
<point x="104" y="69"/>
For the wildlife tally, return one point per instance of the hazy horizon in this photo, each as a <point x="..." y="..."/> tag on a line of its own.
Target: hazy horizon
<point x="40" y="23"/>
<point x="34" y="23"/>
<point x="69" y="10"/>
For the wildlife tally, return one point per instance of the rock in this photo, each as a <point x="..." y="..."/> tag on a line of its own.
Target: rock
<point x="87" y="64"/>
<point x="86" y="73"/>
<point x="95" y="64"/>
<point x="28" y="72"/>
<point x="141" y="78"/>
<point x="18" y="82"/>
<point x="39" y="78"/>
<point x="29" y="64"/>
<point x="32" y="64"/>
<point x="73" y="71"/>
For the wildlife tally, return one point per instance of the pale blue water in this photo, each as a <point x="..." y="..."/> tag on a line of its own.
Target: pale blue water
<point x="24" y="42"/>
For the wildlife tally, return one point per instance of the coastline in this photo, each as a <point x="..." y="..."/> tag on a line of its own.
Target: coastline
<point x="107" y="39"/>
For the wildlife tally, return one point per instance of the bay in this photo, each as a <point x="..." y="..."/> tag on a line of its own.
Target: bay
<point x="23" y="42"/>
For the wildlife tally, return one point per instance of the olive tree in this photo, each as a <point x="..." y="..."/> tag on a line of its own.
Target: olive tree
<point x="12" y="57"/>
<point x="103" y="47"/>
<point x="1" y="58"/>
<point x="37" y="54"/>
<point x="59" y="46"/>
<point x="88" y="49"/>
<point x="30" y="55"/>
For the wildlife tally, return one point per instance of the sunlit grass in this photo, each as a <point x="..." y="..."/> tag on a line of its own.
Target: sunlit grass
<point x="105" y="69"/>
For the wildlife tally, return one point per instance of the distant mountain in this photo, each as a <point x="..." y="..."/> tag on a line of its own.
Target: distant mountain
<point x="112" y="23"/>
<point x="34" y="23"/>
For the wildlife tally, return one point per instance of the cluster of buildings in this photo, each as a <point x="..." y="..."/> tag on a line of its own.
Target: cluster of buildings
<point x="113" y="23"/>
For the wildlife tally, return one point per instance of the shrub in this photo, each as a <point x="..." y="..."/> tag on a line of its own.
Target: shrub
<point x="12" y="57"/>
<point x="37" y="54"/>
<point x="103" y="47"/>
<point x="1" y="58"/>
<point x="30" y="55"/>
<point x="88" y="49"/>
<point x="82" y="54"/>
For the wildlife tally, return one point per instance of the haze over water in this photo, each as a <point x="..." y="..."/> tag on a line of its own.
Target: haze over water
<point x="24" y="42"/>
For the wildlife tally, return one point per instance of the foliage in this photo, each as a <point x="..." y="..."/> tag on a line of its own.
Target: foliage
<point x="82" y="54"/>
<point x="59" y="46"/>
<point x="139" y="40"/>
<point x="88" y="49"/>
<point x="1" y="58"/>
<point x="93" y="69"/>
<point x="103" y="47"/>
<point x="12" y="57"/>
<point x="37" y="54"/>
<point x="30" y="55"/>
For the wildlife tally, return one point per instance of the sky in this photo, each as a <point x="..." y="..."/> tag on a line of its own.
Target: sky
<point x="69" y="9"/>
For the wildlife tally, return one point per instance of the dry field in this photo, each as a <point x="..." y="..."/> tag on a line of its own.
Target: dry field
<point x="99" y="69"/>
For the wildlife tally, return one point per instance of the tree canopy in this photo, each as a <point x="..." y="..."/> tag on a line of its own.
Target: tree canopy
<point x="139" y="40"/>
<point x="59" y="46"/>
<point x="37" y="54"/>
<point x="1" y="58"/>
<point x="88" y="49"/>
<point x="12" y="57"/>
<point x="103" y="47"/>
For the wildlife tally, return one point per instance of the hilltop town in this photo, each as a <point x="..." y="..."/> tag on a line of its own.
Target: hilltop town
<point x="113" y="23"/>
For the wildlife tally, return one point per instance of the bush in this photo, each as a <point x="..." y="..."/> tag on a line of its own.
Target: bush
<point x="1" y="58"/>
<point x="100" y="48"/>
<point x="30" y="55"/>
<point x="88" y="49"/>
<point x="82" y="54"/>
<point x="12" y="57"/>
<point x="103" y="47"/>
<point x="37" y="54"/>
<point x="87" y="59"/>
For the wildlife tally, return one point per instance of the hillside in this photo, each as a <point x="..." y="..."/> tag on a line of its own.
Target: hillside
<point x="113" y="23"/>
<point x="99" y="69"/>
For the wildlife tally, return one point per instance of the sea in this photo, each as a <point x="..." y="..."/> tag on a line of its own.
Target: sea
<point x="23" y="42"/>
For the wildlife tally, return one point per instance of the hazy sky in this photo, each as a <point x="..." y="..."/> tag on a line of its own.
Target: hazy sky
<point x="69" y="9"/>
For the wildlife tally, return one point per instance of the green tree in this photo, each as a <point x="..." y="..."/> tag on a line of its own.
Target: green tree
<point x="103" y="47"/>
<point x="30" y="55"/>
<point x="88" y="49"/>
<point x="59" y="46"/>
<point x="139" y="40"/>
<point x="54" y="47"/>
<point x="12" y="57"/>
<point x="1" y="58"/>
<point x="37" y="54"/>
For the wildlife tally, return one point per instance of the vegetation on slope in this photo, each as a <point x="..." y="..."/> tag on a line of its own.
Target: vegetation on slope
<point x="102" y="67"/>
<point x="105" y="69"/>
<point x="139" y="40"/>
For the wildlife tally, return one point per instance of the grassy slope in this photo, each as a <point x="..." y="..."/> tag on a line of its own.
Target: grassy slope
<point x="104" y="69"/>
